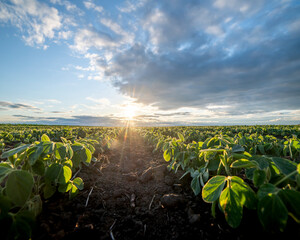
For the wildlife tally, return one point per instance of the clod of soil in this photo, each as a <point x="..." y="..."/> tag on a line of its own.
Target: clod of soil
<point x="172" y="200"/>
<point x="146" y="175"/>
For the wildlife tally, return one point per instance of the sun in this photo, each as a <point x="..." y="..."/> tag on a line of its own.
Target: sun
<point x="130" y="112"/>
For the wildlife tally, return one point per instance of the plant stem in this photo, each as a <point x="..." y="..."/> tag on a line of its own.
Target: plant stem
<point x="285" y="178"/>
<point x="219" y="168"/>
<point x="213" y="208"/>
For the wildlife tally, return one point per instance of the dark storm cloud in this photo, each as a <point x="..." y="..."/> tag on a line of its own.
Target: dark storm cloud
<point x="244" y="55"/>
<point x="7" y="105"/>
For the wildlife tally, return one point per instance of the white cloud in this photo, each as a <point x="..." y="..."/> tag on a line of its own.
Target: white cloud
<point x="86" y="39"/>
<point x="131" y="6"/>
<point x="239" y="6"/>
<point x="65" y="34"/>
<point x="155" y="25"/>
<point x="68" y="5"/>
<point x="127" y="37"/>
<point x="97" y="63"/>
<point x="37" y="21"/>
<point x="53" y="101"/>
<point x="214" y="30"/>
<point x="217" y="106"/>
<point x="91" y="5"/>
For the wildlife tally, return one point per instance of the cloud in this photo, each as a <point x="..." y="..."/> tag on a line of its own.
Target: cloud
<point x="131" y="6"/>
<point x="87" y="38"/>
<point x="69" y="6"/>
<point x="37" y="21"/>
<point x="83" y="120"/>
<point x="116" y="28"/>
<point x="227" y="59"/>
<point x="248" y="65"/>
<point x="53" y="101"/>
<point x="57" y="112"/>
<point x="65" y="35"/>
<point x="214" y="30"/>
<point x="93" y="6"/>
<point x="8" y="105"/>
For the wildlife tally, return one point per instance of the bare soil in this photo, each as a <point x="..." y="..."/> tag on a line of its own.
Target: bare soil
<point x="132" y="195"/>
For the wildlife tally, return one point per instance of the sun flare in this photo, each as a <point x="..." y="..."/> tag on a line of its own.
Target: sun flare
<point x="130" y="112"/>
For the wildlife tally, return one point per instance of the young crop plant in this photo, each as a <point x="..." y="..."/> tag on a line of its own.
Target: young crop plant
<point x="36" y="171"/>
<point x="273" y="204"/>
<point x="237" y="167"/>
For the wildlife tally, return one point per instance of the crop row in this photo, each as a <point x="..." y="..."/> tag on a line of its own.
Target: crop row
<point x="244" y="169"/>
<point x="32" y="172"/>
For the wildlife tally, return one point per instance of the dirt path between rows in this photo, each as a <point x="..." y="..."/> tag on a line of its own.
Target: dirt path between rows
<point x="130" y="194"/>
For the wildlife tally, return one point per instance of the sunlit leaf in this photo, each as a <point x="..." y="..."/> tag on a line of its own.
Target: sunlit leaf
<point x="213" y="188"/>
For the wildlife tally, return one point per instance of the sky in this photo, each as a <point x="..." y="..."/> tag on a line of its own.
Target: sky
<point x="153" y="63"/>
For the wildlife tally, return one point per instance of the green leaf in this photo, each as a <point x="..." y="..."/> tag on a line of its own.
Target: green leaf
<point x="272" y="212"/>
<point x="180" y="136"/>
<point x="244" y="154"/>
<point x="261" y="149"/>
<point x="5" y="205"/>
<point x="245" y="194"/>
<point x="243" y="163"/>
<point x="249" y="173"/>
<point x="259" y="177"/>
<point x="68" y="163"/>
<point x="60" y="150"/>
<point x="291" y="199"/>
<point x="231" y="206"/>
<point x="237" y="148"/>
<point x="285" y="166"/>
<point x="195" y="185"/>
<point x="45" y="138"/>
<point x="35" y="153"/>
<point x="78" y="182"/>
<point x="262" y="162"/>
<point x="65" y="187"/>
<point x="23" y="224"/>
<point x="298" y="180"/>
<point x="4" y="171"/>
<point x="70" y="150"/>
<point x="73" y="192"/>
<point x="6" y="165"/>
<point x="14" y="151"/>
<point x="266" y="189"/>
<point x="64" y="175"/>
<point x="298" y="168"/>
<point x="83" y="155"/>
<point x="167" y="155"/>
<point x="49" y="190"/>
<point x="76" y="159"/>
<point x="213" y="164"/>
<point x="48" y="147"/>
<point x="91" y="148"/>
<point x="87" y="156"/>
<point x="52" y="172"/>
<point x="39" y="168"/>
<point x="19" y="186"/>
<point x="213" y="188"/>
<point x="63" y="140"/>
<point x="77" y="146"/>
<point x="34" y="205"/>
